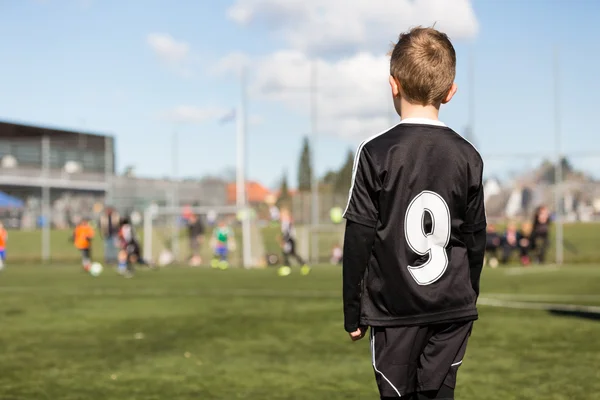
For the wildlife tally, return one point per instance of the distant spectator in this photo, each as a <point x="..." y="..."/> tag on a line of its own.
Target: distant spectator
<point x="513" y="240"/>
<point x="492" y="245"/>
<point x="525" y="243"/>
<point x="540" y="234"/>
<point x="336" y="254"/>
<point x="196" y="237"/>
<point x="109" y="228"/>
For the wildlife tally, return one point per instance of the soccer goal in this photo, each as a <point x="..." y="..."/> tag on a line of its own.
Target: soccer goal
<point x="167" y="241"/>
<point x="320" y="240"/>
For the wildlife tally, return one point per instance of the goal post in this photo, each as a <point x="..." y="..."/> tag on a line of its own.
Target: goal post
<point x="324" y="238"/>
<point x="165" y="232"/>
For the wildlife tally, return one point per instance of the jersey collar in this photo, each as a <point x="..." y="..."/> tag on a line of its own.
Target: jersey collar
<point x="422" y="121"/>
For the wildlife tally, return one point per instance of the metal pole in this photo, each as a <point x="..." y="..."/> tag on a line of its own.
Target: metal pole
<point x="471" y="130"/>
<point x="175" y="196"/>
<point x="558" y="168"/>
<point x="391" y="111"/>
<point x="241" y="195"/>
<point x="148" y="216"/>
<point x="314" y="248"/>
<point x="46" y="198"/>
<point x="108" y="169"/>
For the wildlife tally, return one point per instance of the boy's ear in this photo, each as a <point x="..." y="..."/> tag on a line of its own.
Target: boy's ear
<point x="451" y="93"/>
<point x="395" y="85"/>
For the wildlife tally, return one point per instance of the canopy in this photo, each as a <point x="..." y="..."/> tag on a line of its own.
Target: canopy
<point x="7" y="201"/>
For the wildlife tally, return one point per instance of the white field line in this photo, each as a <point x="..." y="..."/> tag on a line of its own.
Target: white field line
<point x="536" y="306"/>
<point x="504" y="300"/>
<point x="531" y="270"/>
<point x="544" y="297"/>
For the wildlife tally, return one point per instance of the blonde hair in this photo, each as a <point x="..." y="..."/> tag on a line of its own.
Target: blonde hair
<point x="424" y="63"/>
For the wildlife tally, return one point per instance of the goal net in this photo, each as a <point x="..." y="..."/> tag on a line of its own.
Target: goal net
<point x="167" y="239"/>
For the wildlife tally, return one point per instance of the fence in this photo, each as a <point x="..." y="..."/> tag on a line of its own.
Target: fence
<point x="63" y="176"/>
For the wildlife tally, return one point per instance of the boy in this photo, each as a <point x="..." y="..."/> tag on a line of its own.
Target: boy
<point x="222" y="241"/>
<point x="130" y="252"/>
<point x="415" y="233"/>
<point x="288" y="243"/>
<point x="3" y="239"/>
<point x="196" y="236"/>
<point x="82" y="239"/>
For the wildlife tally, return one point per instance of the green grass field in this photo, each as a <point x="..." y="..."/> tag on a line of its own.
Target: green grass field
<point x="191" y="333"/>
<point x="25" y="246"/>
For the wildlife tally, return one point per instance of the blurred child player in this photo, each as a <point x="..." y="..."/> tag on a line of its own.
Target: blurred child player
<point x="222" y="241"/>
<point x="3" y="240"/>
<point x="82" y="239"/>
<point x="130" y="251"/>
<point x="415" y="233"/>
<point x="288" y="243"/>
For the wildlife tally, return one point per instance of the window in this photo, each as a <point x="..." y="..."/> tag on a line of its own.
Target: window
<point x="5" y="148"/>
<point x="28" y="153"/>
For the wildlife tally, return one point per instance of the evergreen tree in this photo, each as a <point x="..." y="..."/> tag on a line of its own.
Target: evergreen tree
<point x="344" y="175"/>
<point x="284" y="192"/>
<point x="305" y="167"/>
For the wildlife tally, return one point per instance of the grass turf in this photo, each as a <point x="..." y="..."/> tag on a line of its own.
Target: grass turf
<point x="185" y="333"/>
<point x="25" y="246"/>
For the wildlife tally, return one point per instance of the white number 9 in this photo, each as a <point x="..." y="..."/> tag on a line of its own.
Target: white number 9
<point x="431" y="243"/>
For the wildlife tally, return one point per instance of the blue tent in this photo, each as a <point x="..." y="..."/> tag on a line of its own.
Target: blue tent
<point x="7" y="201"/>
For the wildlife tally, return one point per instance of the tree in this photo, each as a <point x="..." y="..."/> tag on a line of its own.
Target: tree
<point x="284" y="192"/>
<point x="344" y="176"/>
<point x="305" y="167"/>
<point x="549" y="170"/>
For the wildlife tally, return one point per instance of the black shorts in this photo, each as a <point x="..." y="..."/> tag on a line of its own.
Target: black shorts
<point x="415" y="359"/>
<point x="289" y="247"/>
<point x="85" y="254"/>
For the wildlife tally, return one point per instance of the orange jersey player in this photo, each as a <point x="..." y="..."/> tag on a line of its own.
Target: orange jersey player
<point x="82" y="239"/>
<point x="3" y="239"/>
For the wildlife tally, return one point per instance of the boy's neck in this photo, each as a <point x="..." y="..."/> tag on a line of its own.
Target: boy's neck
<point x="409" y="110"/>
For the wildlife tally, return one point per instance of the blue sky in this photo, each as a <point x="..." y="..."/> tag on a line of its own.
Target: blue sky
<point x="141" y="70"/>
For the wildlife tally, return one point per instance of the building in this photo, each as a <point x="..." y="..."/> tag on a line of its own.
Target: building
<point x="33" y="157"/>
<point x="74" y="167"/>
<point x="78" y="170"/>
<point x="256" y="193"/>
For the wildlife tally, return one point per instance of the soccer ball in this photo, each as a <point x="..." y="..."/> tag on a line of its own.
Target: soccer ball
<point x="165" y="258"/>
<point x="96" y="269"/>
<point x="284" y="271"/>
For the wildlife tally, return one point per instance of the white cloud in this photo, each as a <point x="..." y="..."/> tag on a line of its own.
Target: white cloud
<point x="255" y="120"/>
<point x="341" y="27"/>
<point x="175" y="54"/>
<point x="193" y="114"/>
<point x="349" y="40"/>
<point x="353" y="93"/>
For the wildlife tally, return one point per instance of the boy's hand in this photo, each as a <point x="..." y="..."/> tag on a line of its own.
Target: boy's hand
<point x="358" y="334"/>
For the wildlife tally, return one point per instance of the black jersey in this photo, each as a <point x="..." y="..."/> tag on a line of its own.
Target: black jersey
<point x="419" y="187"/>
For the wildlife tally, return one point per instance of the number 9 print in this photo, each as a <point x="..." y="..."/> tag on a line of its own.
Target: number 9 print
<point x="432" y="244"/>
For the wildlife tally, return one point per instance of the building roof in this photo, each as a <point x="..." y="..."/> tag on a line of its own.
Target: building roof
<point x="38" y="130"/>
<point x="256" y="192"/>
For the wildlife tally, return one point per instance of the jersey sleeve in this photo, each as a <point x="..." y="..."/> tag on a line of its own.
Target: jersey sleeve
<point x="475" y="218"/>
<point x="364" y="191"/>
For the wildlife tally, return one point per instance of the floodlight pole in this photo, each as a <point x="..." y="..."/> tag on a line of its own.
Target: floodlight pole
<point x="175" y="195"/>
<point x="470" y="134"/>
<point x="108" y="169"/>
<point x="46" y="198"/>
<point x="558" y="173"/>
<point x="314" y="248"/>
<point x="241" y="195"/>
